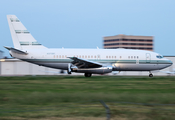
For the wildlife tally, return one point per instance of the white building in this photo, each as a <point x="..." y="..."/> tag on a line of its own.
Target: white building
<point x="17" y="67"/>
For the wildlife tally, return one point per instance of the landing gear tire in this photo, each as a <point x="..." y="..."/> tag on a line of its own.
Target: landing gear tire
<point x="87" y="74"/>
<point x="62" y="72"/>
<point x="150" y="75"/>
<point x="69" y="72"/>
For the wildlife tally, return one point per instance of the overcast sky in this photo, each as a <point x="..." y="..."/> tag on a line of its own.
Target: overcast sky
<point x="84" y="23"/>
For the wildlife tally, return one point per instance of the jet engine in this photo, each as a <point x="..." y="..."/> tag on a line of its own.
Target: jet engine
<point x="99" y="70"/>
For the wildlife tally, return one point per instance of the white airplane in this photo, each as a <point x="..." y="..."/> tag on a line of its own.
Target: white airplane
<point x="87" y="61"/>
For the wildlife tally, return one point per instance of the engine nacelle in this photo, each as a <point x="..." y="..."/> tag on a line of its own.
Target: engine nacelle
<point x="100" y="70"/>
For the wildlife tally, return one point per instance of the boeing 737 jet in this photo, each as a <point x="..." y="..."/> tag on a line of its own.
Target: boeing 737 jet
<point x="87" y="61"/>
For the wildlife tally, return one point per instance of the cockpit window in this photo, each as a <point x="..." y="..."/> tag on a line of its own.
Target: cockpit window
<point x="159" y="56"/>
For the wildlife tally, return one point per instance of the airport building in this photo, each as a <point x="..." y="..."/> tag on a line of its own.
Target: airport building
<point x="16" y="67"/>
<point x="129" y="42"/>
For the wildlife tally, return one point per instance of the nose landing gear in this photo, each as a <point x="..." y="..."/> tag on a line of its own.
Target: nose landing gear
<point x="150" y="74"/>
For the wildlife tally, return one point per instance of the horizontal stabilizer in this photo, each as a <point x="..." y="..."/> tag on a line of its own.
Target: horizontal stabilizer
<point x="16" y="50"/>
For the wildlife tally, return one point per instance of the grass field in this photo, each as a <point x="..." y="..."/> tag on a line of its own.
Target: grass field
<point x="77" y="98"/>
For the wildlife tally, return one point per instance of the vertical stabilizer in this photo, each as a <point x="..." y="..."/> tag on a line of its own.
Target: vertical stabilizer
<point x="22" y="39"/>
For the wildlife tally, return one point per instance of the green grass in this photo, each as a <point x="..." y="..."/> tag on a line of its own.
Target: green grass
<point x="71" y="96"/>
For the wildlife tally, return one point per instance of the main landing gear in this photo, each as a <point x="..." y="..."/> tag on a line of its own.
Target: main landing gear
<point x="150" y="74"/>
<point x="69" y="69"/>
<point x="87" y="74"/>
<point x="69" y="72"/>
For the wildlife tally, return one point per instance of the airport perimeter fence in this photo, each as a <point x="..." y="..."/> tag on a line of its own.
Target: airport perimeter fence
<point x="108" y="109"/>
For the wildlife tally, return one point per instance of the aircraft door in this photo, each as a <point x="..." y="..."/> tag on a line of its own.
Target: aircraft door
<point x="148" y="57"/>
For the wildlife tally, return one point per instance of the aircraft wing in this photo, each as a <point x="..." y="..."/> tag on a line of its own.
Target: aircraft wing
<point x="16" y="50"/>
<point x="83" y="63"/>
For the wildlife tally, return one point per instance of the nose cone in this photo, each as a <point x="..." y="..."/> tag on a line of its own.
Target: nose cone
<point x="165" y="63"/>
<point x="169" y="62"/>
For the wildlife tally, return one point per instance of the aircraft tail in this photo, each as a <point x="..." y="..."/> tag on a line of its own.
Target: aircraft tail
<point x="22" y="39"/>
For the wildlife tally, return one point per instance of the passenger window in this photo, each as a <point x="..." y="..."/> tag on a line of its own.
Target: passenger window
<point x="62" y="56"/>
<point x="82" y="56"/>
<point x="109" y="56"/>
<point x="106" y="56"/>
<point x="59" y="56"/>
<point x="115" y="56"/>
<point x="94" y="56"/>
<point x="128" y="56"/>
<point x="91" y="56"/>
<point x="88" y="56"/>
<point x="85" y="56"/>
